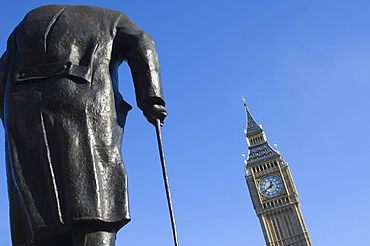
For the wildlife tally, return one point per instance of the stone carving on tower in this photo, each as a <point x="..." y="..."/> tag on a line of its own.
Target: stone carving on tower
<point x="272" y="190"/>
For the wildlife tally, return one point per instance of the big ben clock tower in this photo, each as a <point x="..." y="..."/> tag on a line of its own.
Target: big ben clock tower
<point x="272" y="190"/>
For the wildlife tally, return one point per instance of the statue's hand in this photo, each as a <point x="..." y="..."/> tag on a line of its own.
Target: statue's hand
<point x="155" y="111"/>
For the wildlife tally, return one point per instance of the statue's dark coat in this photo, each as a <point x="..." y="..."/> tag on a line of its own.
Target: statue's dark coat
<point x="64" y="117"/>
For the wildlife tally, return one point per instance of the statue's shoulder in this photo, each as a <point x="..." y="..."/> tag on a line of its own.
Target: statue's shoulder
<point x="46" y="9"/>
<point x="78" y="8"/>
<point x="45" y="14"/>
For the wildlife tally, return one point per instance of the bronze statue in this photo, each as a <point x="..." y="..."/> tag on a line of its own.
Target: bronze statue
<point x="64" y="117"/>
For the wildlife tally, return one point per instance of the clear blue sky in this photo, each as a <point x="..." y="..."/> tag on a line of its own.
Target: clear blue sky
<point x="303" y="67"/>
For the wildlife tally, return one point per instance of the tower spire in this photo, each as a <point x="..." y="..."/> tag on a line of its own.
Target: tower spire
<point x="254" y="134"/>
<point x="259" y="147"/>
<point x="252" y="127"/>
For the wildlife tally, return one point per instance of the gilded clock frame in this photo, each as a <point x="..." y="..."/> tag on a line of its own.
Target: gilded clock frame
<point x="259" y="179"/>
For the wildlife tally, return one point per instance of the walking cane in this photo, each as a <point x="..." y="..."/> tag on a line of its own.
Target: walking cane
<point x="165" y="178"/>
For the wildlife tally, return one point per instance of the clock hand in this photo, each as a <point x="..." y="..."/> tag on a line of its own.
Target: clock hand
<point x="271" y="184"/>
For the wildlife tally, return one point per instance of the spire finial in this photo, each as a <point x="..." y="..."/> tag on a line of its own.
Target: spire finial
<point x="244" y="101"/>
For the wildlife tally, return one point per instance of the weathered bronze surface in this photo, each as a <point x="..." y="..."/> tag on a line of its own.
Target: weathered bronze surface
<point x="64" y="117"/>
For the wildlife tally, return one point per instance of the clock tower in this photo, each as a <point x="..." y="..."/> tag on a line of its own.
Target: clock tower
<point x="273" y="193"/>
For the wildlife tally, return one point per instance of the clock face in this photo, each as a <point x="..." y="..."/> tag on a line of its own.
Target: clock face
<point x="270" y="186"/>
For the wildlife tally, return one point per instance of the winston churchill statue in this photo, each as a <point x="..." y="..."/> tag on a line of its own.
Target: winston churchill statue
<point x="64" y="117"/>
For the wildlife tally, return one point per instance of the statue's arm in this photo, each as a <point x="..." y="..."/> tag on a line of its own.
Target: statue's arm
<point x="5" y="62"/>
<point x="139" y="50"/>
